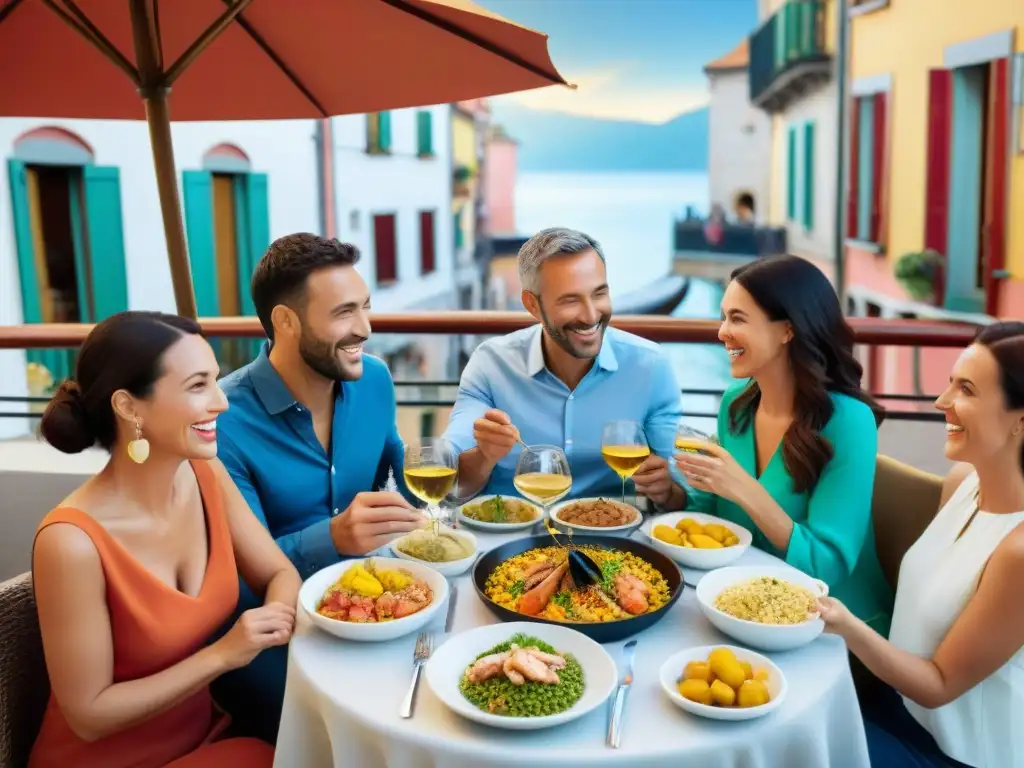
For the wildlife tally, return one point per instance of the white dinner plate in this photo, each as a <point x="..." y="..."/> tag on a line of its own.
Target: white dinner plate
<point x="448" y="664"/>
<point x="499" y="527"/>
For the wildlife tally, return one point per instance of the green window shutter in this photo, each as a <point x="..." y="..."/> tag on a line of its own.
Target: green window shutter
<point x="197" y="190"/>
<point x="384" y="131"/>
<point x="83" y="274"/>
<point x="809" y="176"/>
<point x="424" y="133"/>
<point x="253" y="208"/>
<point x="791" y="176"/>
<point x="32" y="311"/>
<point x="105" y="236"/>
<point x="457" y="228"/>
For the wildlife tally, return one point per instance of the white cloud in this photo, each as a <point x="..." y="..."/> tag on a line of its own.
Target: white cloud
<point x="610" y="94"/>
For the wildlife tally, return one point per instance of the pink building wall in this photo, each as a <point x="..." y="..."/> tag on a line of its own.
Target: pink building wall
<point x="500" y="185"/>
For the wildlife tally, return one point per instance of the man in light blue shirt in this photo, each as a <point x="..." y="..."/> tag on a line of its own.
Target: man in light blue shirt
<point x="559" y="382"/>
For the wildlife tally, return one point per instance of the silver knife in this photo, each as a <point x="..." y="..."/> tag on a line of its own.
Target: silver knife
<point x="615" y="724"/>
<point x="450" y="619"/>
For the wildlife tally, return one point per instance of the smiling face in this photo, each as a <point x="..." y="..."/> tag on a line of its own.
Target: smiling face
<point x="574" y="305"/>
<point x="179" y="416"/>
<point x="979" y="427"/>
<point x="752" y="339"/>
<point x="331" y="324"/>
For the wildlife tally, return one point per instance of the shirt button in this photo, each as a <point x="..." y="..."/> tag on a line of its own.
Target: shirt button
<point x="571" y="397"/>
<point x="334" y="512"/>
<point x="332" y="469"/>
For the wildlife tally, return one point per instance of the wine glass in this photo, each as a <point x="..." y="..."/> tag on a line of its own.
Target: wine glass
<point x="624" y="447"/>
<point x="690" y="440"/>
<point x="543" y="475"/>
<point x="431" y="469"/>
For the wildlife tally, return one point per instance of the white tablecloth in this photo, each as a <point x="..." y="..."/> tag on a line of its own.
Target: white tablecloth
<point x="342" y="699"/>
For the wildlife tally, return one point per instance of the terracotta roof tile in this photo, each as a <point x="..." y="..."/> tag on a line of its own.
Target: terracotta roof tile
<point x="737" y="58"/>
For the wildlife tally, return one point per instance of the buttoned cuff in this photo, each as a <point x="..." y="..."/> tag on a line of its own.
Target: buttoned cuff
<point x="316" y="548"/>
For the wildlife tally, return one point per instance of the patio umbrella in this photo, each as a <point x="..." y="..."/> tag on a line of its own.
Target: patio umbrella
<point x="252" y="60"/>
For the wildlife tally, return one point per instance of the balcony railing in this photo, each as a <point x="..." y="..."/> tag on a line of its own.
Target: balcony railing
<point x="789" y="54"/>
<point x="690" y="237"/>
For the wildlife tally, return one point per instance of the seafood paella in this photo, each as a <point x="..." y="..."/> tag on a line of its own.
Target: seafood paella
<point x="538" y="583"/>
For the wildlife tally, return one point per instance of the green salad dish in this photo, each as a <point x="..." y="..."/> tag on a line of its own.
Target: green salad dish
<point x="504" y="513"/>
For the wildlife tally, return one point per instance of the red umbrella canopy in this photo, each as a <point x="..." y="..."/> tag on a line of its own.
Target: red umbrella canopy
<point x="272" y="59"/>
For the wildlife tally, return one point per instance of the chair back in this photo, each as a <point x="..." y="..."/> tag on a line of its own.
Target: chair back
<point x="24" y="683"/>
<point x="904" y="501"/>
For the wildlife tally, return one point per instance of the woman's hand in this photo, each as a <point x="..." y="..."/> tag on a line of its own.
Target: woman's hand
<point x="256" y="630"/>
<point x="718" y="473"/>
<point x="837" y="617"/>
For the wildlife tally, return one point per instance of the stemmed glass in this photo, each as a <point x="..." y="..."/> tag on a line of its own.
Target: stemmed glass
<point x="431" y="469"/>
<point x="624" y="447"/>
<point x="690" y="440"/>
<point x="543" y="475"/>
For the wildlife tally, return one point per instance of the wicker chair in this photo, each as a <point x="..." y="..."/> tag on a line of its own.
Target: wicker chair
<point x="904" y="502"/>
<point x="24" y="684"/>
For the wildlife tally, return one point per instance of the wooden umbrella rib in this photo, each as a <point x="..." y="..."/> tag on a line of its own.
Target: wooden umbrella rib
<point x="273" y="56"/>
<point x="78" y="21"/>
<point x="476" y="40"/>
<point x="203" y="41"/>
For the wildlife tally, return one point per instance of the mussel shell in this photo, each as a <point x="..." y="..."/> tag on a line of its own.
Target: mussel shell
<point x="583" y="569"/>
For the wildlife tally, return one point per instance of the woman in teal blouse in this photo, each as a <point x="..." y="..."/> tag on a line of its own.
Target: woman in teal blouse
<point x="798" y="437"/>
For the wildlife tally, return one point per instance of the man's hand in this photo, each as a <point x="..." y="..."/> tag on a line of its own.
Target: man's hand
<point x="654" y="481"/>
<point x="372" y="520"/>
<point x="495" y="436"/>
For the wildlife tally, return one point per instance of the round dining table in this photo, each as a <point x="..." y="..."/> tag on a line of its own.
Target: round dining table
<point x="342" y="699"/>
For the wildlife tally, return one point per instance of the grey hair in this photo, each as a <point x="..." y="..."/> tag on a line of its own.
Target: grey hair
<point x="554" y="241"/>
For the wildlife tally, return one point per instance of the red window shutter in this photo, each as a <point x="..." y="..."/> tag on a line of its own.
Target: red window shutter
<point x="385" y="248"/>
<point x="997" y="178"/>
<point x="427" y="243"/>
<point x="878" y="168"/>
<point x="854" y="185"/>
<point x="940" y="128"/>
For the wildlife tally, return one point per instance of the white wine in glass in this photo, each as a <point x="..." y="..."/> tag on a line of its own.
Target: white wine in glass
<point x="543" y="475"/>
<point x="624" y="448"/>
<point x="431" y="469"/>
<point x="690" y="440"/>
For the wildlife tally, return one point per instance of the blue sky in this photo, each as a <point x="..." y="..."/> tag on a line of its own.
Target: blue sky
<point x="632" y="59"/>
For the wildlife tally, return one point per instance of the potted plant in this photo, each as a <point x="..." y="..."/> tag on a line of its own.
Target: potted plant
<point x="461" y="177"/>
<point x="918" y="273"/>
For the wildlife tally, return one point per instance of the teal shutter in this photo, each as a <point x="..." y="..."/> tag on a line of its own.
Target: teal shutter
<point x="384" y="131"/>
<point x="424" y="133"/>
<point x="253" y="213"/>
<point x="457" y="229"/>
<point x="105" y="236"/>
<point x="791" y="177"/>
<point x="83" y="274"/>
<point x="32" y="311"/>
<point x="197" y="189"/>
<point x="809" y="176"/>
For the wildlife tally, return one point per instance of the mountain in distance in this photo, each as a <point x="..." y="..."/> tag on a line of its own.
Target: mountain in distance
<point x="556" y="142"/>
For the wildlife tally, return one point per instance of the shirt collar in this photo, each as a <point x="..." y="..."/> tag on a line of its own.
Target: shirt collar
<point x="606" y="359"/>
<point x="271" y="389"/>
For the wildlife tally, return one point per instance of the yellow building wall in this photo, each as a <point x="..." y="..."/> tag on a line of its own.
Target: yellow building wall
<point x="906" y="40"/>
<point x="463" y="140"/>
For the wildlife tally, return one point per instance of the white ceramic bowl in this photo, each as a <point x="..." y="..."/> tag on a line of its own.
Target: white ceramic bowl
<point x="450" y="568"/>
<point x="314" y="587"/>
<point x="617" y="530"/>
<point x="768" y="637"/>
<point x="499" y="527"/>
<point x="672" y="671"/>
<point x="446" y="667"/>
<point x="691" y="557"/>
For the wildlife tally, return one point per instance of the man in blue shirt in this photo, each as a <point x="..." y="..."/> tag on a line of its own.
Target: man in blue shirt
<point x="559" y="382"/>
<point x="309" y="436"/>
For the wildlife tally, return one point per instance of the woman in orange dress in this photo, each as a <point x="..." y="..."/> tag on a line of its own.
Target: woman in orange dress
<point x="138" y="568"/>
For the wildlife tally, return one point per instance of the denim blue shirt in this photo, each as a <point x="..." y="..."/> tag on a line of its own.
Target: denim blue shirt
<point x="295" y="487"/>
<point x="630" y="379"/>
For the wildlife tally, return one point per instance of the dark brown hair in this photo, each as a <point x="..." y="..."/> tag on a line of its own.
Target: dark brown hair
<point x="820" y="354"/>
<point x="125" y="351"/>
<point x="280" y="277"/>
<point x="1006" y="343"/>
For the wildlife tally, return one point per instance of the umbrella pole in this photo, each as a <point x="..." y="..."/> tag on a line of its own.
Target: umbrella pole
<point x="154" y="93"/>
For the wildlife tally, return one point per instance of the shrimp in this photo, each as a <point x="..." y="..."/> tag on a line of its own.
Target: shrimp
<point x="534" y="601"/>
<point x="631" y="593"/>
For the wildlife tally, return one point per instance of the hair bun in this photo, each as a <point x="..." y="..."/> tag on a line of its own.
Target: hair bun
<point x="65" y="423"/>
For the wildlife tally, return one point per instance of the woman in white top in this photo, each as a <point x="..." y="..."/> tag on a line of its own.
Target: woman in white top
<point x="955" y="652"/>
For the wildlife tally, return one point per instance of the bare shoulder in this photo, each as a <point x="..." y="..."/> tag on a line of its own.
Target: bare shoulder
<point x="953" y="480"/>
<point x="67" y="547"/>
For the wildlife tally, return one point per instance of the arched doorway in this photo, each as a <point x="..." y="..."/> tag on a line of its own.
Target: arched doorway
<point x="228" y="227"/>
<point x="68" y="232"/>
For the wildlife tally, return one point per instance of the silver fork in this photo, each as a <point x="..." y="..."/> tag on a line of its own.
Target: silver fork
<point x="424" y="645"/>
